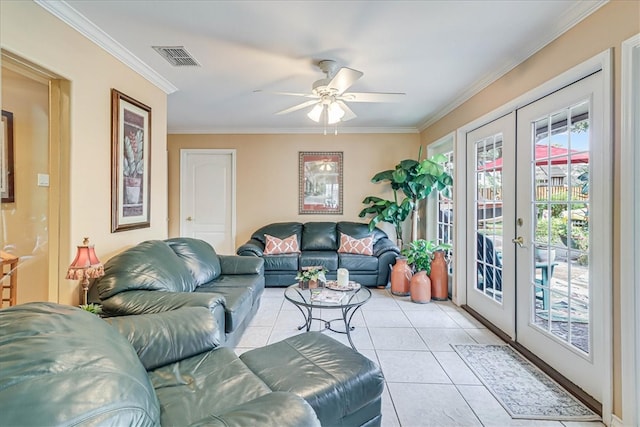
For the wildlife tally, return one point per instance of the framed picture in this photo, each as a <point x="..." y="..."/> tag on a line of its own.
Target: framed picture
<point x="6" y="158"/>
<point x="130" y="163"/>
<point x="320" y="183"/>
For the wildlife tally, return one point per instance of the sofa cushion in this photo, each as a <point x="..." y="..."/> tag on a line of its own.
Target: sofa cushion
<point x="285" y="262"/>
<point x="354" y="262"/>
<point x="319" y="236"/>
<point x="205" y="384"/>
<point x="327" y="259"/>
<point x="198" y="256"/>
<point x="163" y="338"/>
<point x="275" y="246"/>
<point x="358" y="230"/>
<point x="150" y="265"/>
<point x="278" y="229"/>
<point x="350" y="245"/>
<point x="60" y="365"/>
<point x="238" y="300"/>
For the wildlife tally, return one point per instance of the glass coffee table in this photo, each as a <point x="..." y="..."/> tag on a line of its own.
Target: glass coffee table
<point x="348" y="302"/>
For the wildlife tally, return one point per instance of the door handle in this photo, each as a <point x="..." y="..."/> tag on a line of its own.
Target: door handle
<point x="189" y="218"/>
<point x="519" y="240"/>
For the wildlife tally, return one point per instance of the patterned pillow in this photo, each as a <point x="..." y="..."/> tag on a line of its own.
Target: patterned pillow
<point x="349" y="245"/>
<point x="275" y="246"/>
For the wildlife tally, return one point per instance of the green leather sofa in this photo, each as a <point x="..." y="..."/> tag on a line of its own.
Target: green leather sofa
<point x="163" y="275"/>
<point x="319" y="243"/>
<point x="63" y="366"/>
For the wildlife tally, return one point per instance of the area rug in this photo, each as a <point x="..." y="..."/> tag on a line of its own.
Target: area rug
<point x="521" y="388"/>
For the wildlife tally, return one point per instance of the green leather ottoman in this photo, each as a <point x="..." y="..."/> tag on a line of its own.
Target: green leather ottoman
<point x="343" y="387"/>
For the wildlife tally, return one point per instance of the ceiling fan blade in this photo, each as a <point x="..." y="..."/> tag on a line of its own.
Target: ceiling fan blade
<point x="297" y="107"/>
<point x="372" y="96"/>
<point x="305" y="95"/>
<point x="344" y="78"/>
<point x="348" y="113"/>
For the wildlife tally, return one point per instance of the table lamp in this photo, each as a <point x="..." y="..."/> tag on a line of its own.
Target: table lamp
<point x="85" y="266"/>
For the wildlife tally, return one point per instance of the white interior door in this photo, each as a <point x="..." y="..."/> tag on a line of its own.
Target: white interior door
<point x="207" y="197"/>
<point x="563" y="211"/>
<point x="491" y="270"/>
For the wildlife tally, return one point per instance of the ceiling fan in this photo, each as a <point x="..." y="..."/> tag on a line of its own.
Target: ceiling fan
<point x="329" y="97"/>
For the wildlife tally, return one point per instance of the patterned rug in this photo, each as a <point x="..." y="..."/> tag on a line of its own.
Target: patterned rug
<point x="521" y="388"/>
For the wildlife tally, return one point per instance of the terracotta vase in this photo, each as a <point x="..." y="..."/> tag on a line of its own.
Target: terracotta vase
<point x="439" y="277"/>
<point x="400" y="277"/>
<point x="420" y="287"/>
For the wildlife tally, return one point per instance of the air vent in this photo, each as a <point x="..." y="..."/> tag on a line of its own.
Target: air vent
<point x="177" y="56"/>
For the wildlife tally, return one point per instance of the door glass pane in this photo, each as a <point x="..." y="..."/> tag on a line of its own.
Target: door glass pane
<point x="445" y="216"/>
<point x="560" y="209"/>
<point x="488" y="221"/>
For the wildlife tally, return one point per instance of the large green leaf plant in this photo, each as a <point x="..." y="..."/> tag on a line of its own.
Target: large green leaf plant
<point x="416" y="179"/>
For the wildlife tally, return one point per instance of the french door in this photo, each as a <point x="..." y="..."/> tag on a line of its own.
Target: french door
<point x="491" y="272"/>
<point x="563" y="207"/>
<point x="540" y="210"/>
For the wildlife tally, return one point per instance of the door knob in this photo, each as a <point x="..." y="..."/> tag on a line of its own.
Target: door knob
<point x="189" y="218"/>
<point x="519" y="240"/>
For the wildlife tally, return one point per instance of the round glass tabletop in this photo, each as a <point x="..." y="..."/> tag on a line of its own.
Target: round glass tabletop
<point x="326" y="298"/>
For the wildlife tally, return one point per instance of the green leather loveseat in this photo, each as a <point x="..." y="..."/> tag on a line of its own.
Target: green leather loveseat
<point x="164" y="275"/>
<point x="63" y="366"/>
<point x="321" y="243"/>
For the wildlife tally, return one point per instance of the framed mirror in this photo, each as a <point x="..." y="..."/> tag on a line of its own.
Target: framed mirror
<point x="320" y="183"/>
<point x="6" y="158"/>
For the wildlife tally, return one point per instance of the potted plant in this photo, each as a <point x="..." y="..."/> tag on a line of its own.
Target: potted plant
<point x="308" y="277"/>
<point x="416" y="179"/>
<point x="92" y="308"/>
<point x="419" y="255"/>
<point x="387" y="211"/>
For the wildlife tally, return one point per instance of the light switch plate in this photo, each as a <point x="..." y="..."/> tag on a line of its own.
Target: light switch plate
<point x="43" y="180"/>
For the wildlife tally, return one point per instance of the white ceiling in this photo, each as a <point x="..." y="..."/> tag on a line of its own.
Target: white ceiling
<point x="437" y="52"/>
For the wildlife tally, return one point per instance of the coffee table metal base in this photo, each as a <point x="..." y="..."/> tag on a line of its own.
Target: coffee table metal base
<point x="347" y="315"/>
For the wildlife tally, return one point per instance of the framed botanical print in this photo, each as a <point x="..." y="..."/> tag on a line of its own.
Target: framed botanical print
<point x="130" y="163"/>
<point x="320" y="183"/>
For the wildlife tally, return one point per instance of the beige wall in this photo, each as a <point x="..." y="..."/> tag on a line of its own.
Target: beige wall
<point x="30" y="32"/>
<point x="606" y="28"/>
<point x="24" y="223"/>
<point x="267" y="173"/>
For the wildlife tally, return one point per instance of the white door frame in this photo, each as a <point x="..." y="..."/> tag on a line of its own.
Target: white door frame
<point x="184" y="152"/>
<point x="630" y="231"/>
<point x="601" y="62"/>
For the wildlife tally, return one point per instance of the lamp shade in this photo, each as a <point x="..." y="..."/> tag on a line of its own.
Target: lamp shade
<point x="86" y="263"/>
<point x="316" y="112"/>
<point x="334" y="113"/>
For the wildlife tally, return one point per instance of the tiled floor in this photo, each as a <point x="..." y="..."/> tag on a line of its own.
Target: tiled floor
<point x="427" y="384"/>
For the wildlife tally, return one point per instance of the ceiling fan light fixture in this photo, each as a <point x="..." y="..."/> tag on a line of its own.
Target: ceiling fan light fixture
<point x="316" y="113"/>
<point x="334" y="113"/>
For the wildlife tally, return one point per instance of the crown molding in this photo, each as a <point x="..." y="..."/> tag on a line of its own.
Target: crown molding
<point x="63" y="11"/>
<point x="307" y="131"/>
<point x="571" y="18"/>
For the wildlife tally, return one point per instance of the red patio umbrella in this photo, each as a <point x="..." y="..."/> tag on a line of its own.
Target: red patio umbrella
<point x="544" y="154"/>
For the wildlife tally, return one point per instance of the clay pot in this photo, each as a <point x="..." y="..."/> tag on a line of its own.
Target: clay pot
<point x="439" y="277"/>
<point x="420" y="287"/>
<point x="400" y="277"/>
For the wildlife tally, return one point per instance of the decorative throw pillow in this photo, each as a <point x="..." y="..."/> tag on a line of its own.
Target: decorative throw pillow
<point x="349" y="245"/>
<point x="275" y="246"/>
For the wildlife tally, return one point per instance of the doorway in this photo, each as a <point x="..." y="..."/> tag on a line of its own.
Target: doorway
<point x="31" y="220"/>
<point x="207" y="197"/>
<point x="539" y="229"/>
